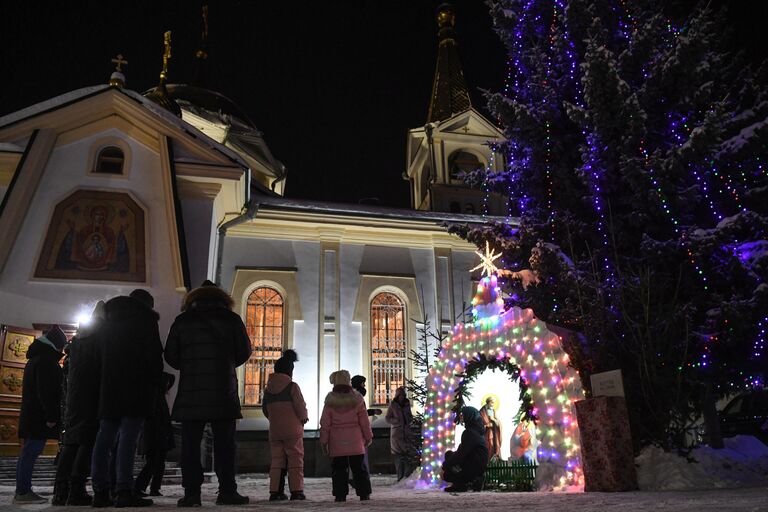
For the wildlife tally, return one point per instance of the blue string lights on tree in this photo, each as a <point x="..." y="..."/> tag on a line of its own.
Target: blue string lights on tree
<point x="635" y="149"/>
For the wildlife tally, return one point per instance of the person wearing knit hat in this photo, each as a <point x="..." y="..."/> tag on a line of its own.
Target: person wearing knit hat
<point x="55" y="337"/>
<point x="341" y="378"/>
<point x="345" y="432"/>
<point x="284" y="406"/>
<point x="467" y="465"/>
<point x="39" y="418"/>
<point x="285" y="363"/>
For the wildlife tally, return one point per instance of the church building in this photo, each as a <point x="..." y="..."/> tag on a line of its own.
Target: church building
<point x="104" y="190"/>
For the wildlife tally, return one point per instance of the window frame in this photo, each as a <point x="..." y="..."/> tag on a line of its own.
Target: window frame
<point x="404" y="328"/>
<point x="283" y="334"/>
<point x="449" y="161"/>
<point x="101" y="159"/>
<point x="103" y="143"/>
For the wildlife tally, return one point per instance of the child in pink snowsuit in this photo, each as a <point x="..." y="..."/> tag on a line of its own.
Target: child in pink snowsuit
<point x="283" y="404"/>
<point x="345" y="431"/>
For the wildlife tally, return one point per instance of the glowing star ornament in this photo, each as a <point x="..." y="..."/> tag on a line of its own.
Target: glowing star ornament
<point x="486" y="261"/>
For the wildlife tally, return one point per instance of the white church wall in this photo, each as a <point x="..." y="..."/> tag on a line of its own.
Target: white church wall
<point x="26" y="300"/>
<point x="198" y="213"/>
<point x="358" y="270"/>
<point x="351" y="331"/>
<point x="463" y="288"/>
<point x="305" y="258"/>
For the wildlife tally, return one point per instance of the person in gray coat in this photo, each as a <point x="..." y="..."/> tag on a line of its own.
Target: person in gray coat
<point x="400" y="437"/>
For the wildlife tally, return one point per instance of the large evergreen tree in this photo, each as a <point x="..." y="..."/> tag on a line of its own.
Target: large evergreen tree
<point x="635" y="161"/>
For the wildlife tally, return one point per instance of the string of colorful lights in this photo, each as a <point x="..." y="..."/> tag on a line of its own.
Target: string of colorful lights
<point x="517" y="337"/>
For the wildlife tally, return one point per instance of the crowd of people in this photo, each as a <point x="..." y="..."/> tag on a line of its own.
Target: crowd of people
<point x="109" y="398"/>
<point x="110" y="393"/>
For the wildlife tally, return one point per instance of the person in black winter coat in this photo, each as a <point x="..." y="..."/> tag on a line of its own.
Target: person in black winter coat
<point x="40" y="408"/>
<point x="467" y="465"/>
<point x="206" y="343"/>
<point x="81" y="422"/>
<point x="157" y="439"/>
<point x="131" y="373"/>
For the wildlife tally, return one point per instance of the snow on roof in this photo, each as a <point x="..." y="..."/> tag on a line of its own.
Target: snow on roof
<point x="50" y="104"/>
<point x="282" y="203"/>
<point x="86" y="92"/>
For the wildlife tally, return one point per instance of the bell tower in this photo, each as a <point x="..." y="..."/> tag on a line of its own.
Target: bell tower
<point x="454" y="140"/>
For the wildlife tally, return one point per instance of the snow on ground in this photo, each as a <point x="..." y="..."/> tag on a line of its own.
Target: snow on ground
<point x="743" y="462"/>
<point x="388" y="497"/>
<point x="732" y="479"/>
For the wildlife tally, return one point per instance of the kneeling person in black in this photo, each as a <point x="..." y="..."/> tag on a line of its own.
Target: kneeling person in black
<point x="467" y="465"/>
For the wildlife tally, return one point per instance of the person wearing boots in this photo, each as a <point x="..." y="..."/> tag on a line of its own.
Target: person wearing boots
<point x="39" y="419"/>
<point x="400" y="438"/>
<point x="466" y="466"/>
<point x="284" y="406"/>
<point x="345" y="432"/>
<point x="157" y="439"/>
<point x="80" y="413"/>
<point x="131" y="373"/>
<point x="358" y="384"/>
<point x="207" y="342"/>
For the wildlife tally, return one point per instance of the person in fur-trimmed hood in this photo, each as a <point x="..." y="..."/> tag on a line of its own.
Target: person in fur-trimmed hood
<point x="284" y="406"/>
<point x="344" y="434"/>
<point x="206" y="343"/>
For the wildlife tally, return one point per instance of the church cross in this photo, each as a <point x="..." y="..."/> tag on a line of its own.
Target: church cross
<point x="465" y="129"/>
<point x="166" y="54"/>
<point x="119" y="61"/>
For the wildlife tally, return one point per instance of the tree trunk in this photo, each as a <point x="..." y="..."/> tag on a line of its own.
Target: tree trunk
<point x="711" y="421"/>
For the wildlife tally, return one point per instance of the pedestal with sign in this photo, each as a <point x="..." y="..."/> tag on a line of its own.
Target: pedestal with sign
<point x="606" y="441"/>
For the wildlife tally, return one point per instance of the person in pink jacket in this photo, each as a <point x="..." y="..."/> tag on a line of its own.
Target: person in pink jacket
<point x="345" y="431"/>
<point x="284" y="406"/>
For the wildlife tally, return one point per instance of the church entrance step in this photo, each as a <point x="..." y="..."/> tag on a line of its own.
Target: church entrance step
<point x="45" y="471"/>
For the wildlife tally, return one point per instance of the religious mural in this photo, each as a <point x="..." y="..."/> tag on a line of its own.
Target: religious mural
<point x="95" y="235"/>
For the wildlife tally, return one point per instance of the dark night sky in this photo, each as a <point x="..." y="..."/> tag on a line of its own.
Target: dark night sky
<point x="333" y="84"/>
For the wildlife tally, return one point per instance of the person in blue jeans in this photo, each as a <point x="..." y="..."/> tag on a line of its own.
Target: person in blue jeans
<point x="131" y="375"/>
<point x="39" y="419"/>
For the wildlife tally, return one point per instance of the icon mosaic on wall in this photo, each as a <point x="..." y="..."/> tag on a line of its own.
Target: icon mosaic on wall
<point x="95" y="235"/>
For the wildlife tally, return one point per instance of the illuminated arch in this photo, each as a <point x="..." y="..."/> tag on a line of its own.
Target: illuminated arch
<point x="519" y="337"/>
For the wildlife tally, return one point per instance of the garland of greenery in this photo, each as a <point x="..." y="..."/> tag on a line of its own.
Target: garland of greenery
<point x="478" y="365"/>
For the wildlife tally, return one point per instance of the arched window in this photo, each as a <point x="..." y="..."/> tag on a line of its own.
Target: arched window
<point x="109" y="161"/>
<point x="264" y="322"/>
<point x="463" y="161"/>
<point x="388" y="346"/>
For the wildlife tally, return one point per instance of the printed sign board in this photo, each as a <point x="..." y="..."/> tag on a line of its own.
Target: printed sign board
<point x="607" y="384"/>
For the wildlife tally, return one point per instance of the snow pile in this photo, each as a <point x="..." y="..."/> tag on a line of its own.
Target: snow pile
<point x="743" y="462"/>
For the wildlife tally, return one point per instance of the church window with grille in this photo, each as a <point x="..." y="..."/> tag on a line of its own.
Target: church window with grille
<point x="388" y="346"/>
<point x="110" y="161"/>
<point x="264" y="322"/>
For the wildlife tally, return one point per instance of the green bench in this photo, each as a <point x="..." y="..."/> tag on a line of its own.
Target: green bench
<point x="510" y="475"/>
